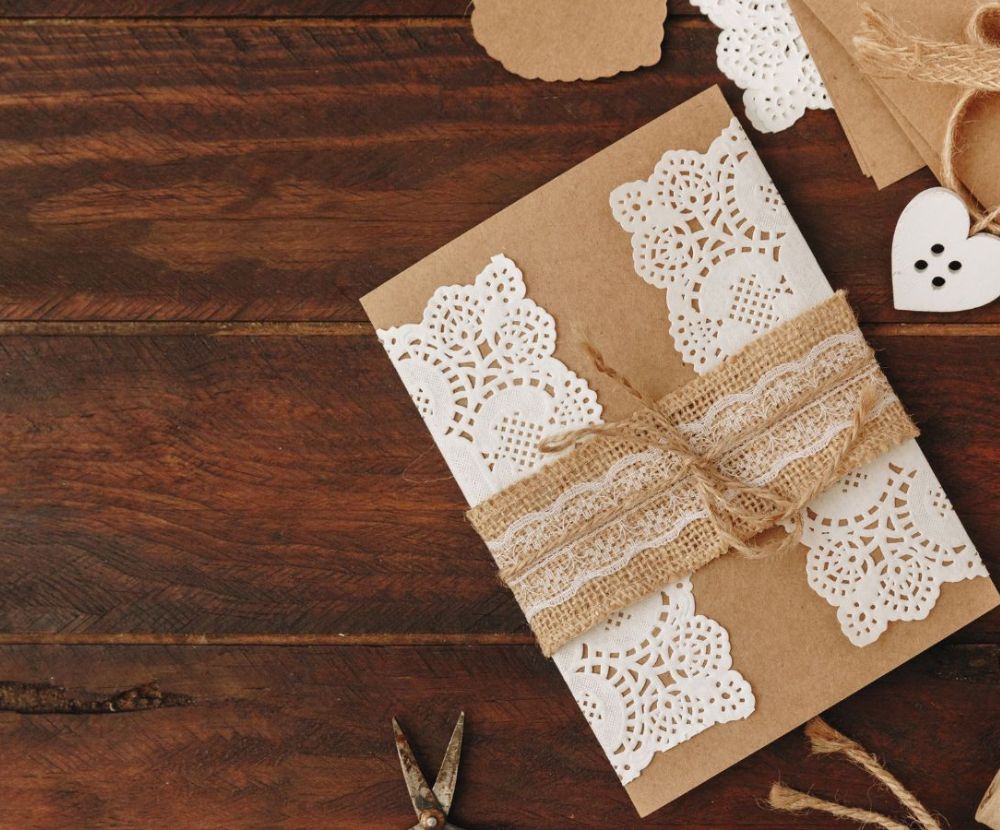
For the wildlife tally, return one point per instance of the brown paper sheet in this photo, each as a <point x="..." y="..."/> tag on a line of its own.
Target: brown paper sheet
<point x="577" y="264"/>
<point x="569" y="40"/>
<point x="882" y="147"/>
<point x="922" y="109"/>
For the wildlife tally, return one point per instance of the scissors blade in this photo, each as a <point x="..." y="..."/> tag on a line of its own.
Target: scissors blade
<point x="415" y="782"/>
<point x="444" y="785"/>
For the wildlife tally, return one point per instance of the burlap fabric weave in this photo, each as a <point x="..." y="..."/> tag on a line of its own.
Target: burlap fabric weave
<point x="618" y="516"/>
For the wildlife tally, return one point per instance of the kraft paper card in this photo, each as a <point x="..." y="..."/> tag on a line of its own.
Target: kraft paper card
<point x="920" y="109"/>
<point x="672" y="252"/>
<point x="569" y="40"/>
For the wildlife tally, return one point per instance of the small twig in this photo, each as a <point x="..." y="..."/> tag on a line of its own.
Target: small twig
<point x="44" y="698"/>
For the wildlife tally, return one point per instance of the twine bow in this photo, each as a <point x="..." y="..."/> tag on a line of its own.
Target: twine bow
<point x="883" y="46"/>
<point x="719" y="492"/>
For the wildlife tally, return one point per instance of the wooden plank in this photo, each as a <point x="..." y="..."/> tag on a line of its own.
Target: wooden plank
<point x="243" y="328"/>
<point x="98" y="9"/>
<point x="300" y="738"/>
<point x="286" y="486"/>
<point x="191" y="487"/>
<point x="207" y="328"/>
<point x="254" y="8"/>
<point x="277" y="170"/>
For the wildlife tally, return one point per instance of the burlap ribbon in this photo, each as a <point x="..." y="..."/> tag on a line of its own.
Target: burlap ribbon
<point x="883" y="47"/>
<point x="694" y="475"/>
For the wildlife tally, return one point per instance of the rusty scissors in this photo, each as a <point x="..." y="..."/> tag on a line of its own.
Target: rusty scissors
<point x="431" y="804"/>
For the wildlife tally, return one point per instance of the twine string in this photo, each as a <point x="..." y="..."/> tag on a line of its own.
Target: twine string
<point x="882" y="46"/>
<point x="825" y="740"/>
<point x="725" y="498"/>
<point x="793" y="801"/>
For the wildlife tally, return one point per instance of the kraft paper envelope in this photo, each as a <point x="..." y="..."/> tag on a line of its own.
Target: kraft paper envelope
<point x="577" y="263"/>
<point x="882" y="147"/>
<point x="922" y="109"/>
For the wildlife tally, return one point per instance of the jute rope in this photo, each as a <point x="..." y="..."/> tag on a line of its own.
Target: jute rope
<point x="826" y="740"/>
<point x="882" y="46"/>
<point x="720" y="493"/>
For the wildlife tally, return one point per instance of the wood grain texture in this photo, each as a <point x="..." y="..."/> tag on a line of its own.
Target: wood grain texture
<point x="157" y="9"/>
<point x="254" y="8"/>
<point x="203" y="443"/>
<point x="286" y="485"/>
<point x="278" y="170"/>
<point x="293" y="469"/>
<point x="300" y="738"/>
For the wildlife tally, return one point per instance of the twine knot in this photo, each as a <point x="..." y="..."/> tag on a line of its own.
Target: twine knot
<point x="721" y="494"/>
<point x="882" y="46"/>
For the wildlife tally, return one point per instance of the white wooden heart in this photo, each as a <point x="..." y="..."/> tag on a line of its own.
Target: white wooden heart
<point x="936" y="265"/>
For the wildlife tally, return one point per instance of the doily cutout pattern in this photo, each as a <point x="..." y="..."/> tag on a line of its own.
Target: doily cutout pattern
<point x="482" y="358"/>
<point x="480" y="368"/>
<point x="653" y="676"/>
<point x="762" y="50"/>
<point x="884" y="559"/>
<point x="712" y="230"/>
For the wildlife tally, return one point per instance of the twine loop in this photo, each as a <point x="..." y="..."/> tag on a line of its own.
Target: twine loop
<point x="883" y="46"/>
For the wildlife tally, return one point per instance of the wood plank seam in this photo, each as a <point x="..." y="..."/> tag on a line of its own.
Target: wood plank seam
<point x="686" y="21"/>
<point x="305" y="328"/>
<point x="675" y="14"/>
<point x="193" y="328"/>
<point x="388" y="640"/>
<point x="358" y="640"/>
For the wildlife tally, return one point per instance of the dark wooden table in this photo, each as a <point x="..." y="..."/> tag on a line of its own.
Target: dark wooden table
<point x="211" y="478"/>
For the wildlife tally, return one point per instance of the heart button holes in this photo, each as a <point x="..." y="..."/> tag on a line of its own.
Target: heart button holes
<point x="937" y="249"/>
<point x="936" y="264"/>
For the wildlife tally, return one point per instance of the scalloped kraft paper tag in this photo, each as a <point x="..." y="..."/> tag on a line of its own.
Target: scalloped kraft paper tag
<point x="570" y="40"/>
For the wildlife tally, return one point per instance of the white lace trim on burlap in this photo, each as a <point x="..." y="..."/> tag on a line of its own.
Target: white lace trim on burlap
<point x="756" y="459"/>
